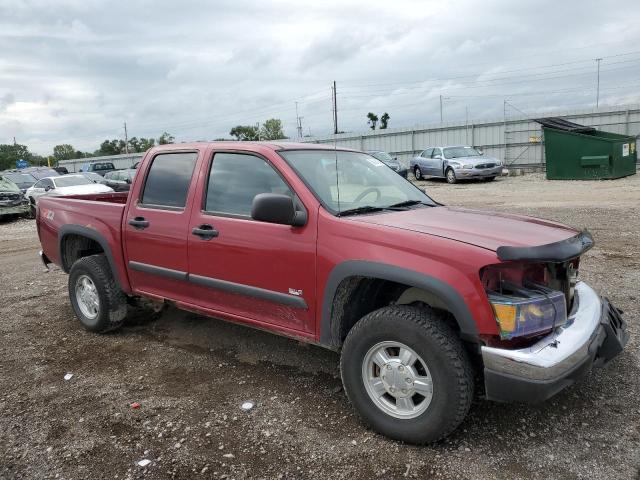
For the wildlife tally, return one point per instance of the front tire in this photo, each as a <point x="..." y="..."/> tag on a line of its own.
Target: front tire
<point x="451" y="176"/>
<point x="418" y="173"/>
<point x="407" y="374"/>
<point x="95" y="297"/>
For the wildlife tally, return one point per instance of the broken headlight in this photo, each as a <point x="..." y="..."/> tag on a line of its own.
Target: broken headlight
<point x="526" y="312"/>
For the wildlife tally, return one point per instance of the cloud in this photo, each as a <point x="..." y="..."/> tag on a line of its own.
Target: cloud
<point x="73" y="71"/>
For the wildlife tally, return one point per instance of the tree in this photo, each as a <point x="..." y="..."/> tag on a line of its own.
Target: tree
<point x="142" y="144"/>
<point x="384" y="120"/>
<point x="111" y="147"/>
<point x="244" y="133"/>
<point x="10" y="153"/>
<point x="272" y="130"/>
<point x="64" y="152"/>
<point x="373" y="120"/>
<point x="165" y="138"/>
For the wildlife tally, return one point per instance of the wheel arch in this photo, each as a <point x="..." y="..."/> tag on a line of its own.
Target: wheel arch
<point x="86" y="241"/>
<point x="358" y="279"/>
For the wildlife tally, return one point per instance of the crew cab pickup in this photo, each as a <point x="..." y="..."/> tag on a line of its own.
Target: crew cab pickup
<point x="331" y="247"/>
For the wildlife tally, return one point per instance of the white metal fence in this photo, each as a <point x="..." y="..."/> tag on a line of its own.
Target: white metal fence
<point x="516" y="139"/>
<point x="119" y="161"/>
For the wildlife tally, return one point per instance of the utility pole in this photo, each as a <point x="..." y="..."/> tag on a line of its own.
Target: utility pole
<point x="441" y="99"/>
<point x="598" y="60"/>
<point x="126" y="139"/>
<point x="335" y="109"/>
<point x="298" y="123"/>
<point x="14" y="141"/>
<point x="258" y="129"/>
<point x="466" y="124"/>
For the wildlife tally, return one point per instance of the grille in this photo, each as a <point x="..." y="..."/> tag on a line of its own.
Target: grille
<point x="486" y="165"/>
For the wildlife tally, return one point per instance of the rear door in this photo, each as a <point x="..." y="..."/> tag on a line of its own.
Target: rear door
<point x="156" y="225"/>
<point x="257" y="272"/>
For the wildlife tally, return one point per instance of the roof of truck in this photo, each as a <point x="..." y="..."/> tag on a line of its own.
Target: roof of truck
<point x="273" y="145"/>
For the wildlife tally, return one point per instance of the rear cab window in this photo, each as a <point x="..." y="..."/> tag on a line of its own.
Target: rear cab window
<point x="168" y="179"/>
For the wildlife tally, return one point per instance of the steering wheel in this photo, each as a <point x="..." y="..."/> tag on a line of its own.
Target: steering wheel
<point x="366" y="192"/>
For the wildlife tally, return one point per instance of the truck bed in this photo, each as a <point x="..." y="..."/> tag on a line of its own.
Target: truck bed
<point x="101" y="213"/>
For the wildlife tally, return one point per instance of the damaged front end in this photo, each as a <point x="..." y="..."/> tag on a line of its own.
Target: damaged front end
<point x="553" y="328"/>
<point x="13" y="203"/>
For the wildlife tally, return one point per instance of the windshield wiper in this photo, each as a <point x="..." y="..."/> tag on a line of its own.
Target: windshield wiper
<point x="407" y="203"/>
<point x="359" y="210"/>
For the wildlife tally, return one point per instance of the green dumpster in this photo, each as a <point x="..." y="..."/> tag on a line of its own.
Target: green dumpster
<point x="577" y="152"/>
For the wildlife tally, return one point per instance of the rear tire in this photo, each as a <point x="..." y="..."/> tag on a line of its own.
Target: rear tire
<point x="451" y="176"/>
<point x="95" y="297"/>
<point x="439" y="360"/>
<point x="418" y="173"/>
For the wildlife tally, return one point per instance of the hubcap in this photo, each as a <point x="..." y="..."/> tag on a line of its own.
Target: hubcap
<point x="450" y="175"/>
<point x="397" y="380"/>
<point x="418" y="174"/>
<point x="87" y="297"/>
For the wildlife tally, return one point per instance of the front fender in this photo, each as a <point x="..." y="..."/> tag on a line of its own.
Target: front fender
<point x="354" y="268"/>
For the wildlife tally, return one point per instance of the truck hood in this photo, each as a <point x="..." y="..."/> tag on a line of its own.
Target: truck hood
<point x="484" y="229"/>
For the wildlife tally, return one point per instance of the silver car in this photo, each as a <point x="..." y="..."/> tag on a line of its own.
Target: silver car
<point x="455" y="163"/>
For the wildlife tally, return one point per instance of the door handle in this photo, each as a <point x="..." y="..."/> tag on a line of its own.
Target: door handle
<point x="205" y="231"/>
<point x="139" y="223"/>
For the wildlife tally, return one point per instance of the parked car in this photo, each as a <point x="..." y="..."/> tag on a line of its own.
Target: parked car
<point x="455" y="163"/>
<point x="12" y="200"/>
<point x="64" y="185"/>
<point x="61" y="170"/>
<point x="389" y="161"/>
<point x="40" y="172"/>
<point x="94" y="177"/>
<point x="418" y="297"/>
<point x="21" y="179"/>
<point x="120" y="180"/>
<point x="98" y="167"/>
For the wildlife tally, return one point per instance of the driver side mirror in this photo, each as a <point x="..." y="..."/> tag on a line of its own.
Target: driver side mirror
<point x="47" y="188"/>
<point x="277" y="208"/>
<point x="128" y="180"/>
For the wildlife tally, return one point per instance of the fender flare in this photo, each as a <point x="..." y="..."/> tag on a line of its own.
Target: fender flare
<point x="93" y="235"/>
<point x="449" y="296"/>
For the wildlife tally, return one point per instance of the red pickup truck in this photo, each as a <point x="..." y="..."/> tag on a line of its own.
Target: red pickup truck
<point x="332" y="247"/>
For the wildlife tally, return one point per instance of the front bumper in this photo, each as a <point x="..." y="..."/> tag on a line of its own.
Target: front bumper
<point x="21" y="208"/>
<point x="594" y="334"/>
<point x="479" y="172"/>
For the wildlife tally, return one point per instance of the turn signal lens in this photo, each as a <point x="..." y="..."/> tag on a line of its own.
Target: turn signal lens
<point x="528" y="313"/>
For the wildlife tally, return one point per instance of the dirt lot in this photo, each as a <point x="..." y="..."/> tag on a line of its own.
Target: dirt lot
<point x="191" y="374"/>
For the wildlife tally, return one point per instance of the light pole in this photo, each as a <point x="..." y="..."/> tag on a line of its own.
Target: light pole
<point x="598" y="83"/>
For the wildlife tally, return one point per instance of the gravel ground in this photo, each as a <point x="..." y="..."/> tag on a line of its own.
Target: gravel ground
<point x="191" y="374"/>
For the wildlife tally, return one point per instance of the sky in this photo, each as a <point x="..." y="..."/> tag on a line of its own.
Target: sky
<point x="73" y="71"/>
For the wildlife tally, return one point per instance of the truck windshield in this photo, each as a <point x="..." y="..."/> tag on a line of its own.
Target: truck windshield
<point x="353" y="182"/>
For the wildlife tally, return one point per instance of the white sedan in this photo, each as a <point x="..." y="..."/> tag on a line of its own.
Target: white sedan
<point x="64" y="185"/>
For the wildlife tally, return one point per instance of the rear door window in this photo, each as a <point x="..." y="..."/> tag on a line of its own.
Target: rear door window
<point x="168" y="180"/>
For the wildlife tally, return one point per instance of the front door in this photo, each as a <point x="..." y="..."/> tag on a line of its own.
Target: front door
<point x="257" y="272"/>
<point x="156" y="226"/>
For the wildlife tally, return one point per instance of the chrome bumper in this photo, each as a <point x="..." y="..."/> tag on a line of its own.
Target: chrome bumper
<point x="479" y="172"/>
<point x="594" y="333"/>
